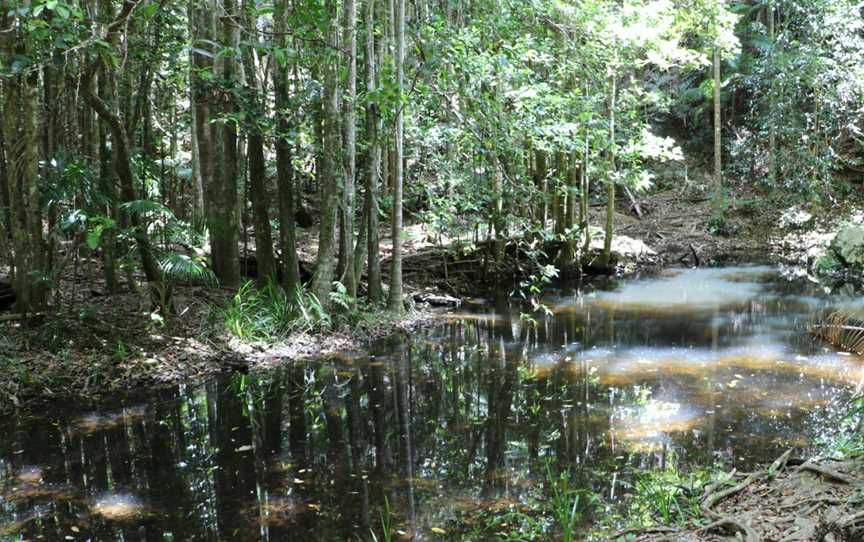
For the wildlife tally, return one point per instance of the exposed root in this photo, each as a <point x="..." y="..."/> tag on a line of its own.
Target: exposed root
<point x="778" y="503"/>
<point x="732" y="526"/>
<point x="714" y="498"/>
<point x="831" y="474"/>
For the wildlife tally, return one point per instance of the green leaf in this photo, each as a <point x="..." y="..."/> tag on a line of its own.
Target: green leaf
<point x="93" y="238"/>
<point x="150" y="9"/>
<point x="62" y="10"/>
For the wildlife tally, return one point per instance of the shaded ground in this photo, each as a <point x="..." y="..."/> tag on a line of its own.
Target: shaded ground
<point x="811" y="501"/>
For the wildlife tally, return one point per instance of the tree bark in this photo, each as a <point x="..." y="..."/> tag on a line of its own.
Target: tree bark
<point x="718" y="165"/>
<point x="222" y="216"/>
<point x="772" y="131"/>
<point x="373" y="160"/>
<point x="284" y="166"/>
<point x="21" y="136"/>
<point x="610" y="184"/>
<point x="395" y="301"/>
<point x="323" y="277"/>
<point x="349" y="155"/>
<point x="264" y="258"/>
<point x="160" y="290"/>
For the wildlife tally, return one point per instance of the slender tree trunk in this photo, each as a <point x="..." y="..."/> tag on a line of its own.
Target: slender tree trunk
<point x="349" y="156"/>
<point x="541" y="183"/>
<point x="498" y="210"/>
<point x="584" y="216"/>
<point x="772" y="131"/>
<point x="20" y="131"/>
<point x="284" y="166"/>
<point x="106" y="183"/>
<point x="373" y="160"/>
<point x="610" y="185"/>
<point x="718" y="166"/>
<point x="265" y="260"/>
<point x="395" y="301"/>
<point x="323" y="277"/>
<point x="571" y="248"/>
<point x="197" y="180"/>
<point x="223" y="218"/>
<point x="202" y="99"/>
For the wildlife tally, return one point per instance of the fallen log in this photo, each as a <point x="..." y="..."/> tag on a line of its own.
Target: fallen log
<point x="437" y="300"/>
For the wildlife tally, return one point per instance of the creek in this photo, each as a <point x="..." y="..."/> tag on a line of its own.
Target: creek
<point x="688" y="369"/>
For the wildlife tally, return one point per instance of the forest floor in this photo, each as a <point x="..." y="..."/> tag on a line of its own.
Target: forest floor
<point x="791" y="500"/>
<point x="93" y="344"/>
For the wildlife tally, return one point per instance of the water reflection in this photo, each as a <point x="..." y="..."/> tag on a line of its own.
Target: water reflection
<point x="461" y="419"/>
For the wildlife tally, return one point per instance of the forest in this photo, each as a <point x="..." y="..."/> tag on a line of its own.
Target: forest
<point x="432" y="270"/>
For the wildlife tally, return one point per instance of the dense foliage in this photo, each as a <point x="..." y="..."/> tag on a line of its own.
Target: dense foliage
<point x="165" y="136"/>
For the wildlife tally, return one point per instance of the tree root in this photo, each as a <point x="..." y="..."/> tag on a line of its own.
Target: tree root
<point x="831" y="474"/>
<point x="712" y="499"/>
<point x="731" y="525"/>
<point x="850" y="528"/>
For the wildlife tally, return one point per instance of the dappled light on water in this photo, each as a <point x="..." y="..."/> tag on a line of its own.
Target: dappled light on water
<point x="117" y="507"/>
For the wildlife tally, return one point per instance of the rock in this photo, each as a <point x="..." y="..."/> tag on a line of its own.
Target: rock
<point x="848" y="245"/>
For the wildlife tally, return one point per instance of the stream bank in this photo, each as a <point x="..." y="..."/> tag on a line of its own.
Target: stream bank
<point x="93" y="344"/>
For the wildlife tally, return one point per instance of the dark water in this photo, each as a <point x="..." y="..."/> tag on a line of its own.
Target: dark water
<point x="694" y="369"/>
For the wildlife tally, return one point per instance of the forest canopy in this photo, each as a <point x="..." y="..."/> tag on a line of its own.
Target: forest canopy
<point x="179" y="141"/>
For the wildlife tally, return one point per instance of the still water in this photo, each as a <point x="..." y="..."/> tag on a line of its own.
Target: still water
<point x="445" y="427"/>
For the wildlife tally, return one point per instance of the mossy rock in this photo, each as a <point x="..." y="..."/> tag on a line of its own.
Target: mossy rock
<point x="848" y="246"/>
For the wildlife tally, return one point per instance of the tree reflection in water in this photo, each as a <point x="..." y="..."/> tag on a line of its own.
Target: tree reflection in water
<point x="464" y="417"/>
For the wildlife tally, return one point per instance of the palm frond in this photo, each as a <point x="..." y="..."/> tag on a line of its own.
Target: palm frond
<point x="842" y="330"/>
<point x="142" y="206"/>
<point x="182" y="267"/>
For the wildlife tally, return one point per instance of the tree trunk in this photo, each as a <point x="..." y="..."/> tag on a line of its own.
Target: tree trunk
<point x="107" y="186"/>
<point x="222" y="216"/>
<point x="323" y="277"/>
<point x="20" y="131"/>
<point x="373" y="161"/>
<point x="584" y="216"/>
<point x="264" y="258"/>
<point x="395" y="302"/>
<point x="284" y="166"/>
<point x="201" y="98"/>
<point x="610" y="184"/>
<point x="772" y="131"/>
<point x="349" y="155"/>
<point x="718" y="166"/>
<point x="160" y="290"/>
